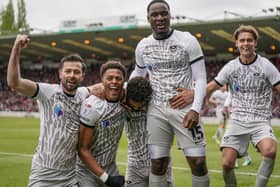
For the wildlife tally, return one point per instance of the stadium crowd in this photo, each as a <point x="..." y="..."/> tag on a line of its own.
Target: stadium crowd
<point x="13" y="102"/>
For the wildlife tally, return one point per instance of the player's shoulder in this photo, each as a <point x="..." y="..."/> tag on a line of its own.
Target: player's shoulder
<point x="146" y="39"/>
<point x="93" y="104"/>
<point x="232" y="63"/>
<point x="47" y="88"/>
<point x="84" y="91"/>
<point x="182" y="34"/>
<point x="95" y="101"/>
<point x="48" y="85"/>
<point x="263" y="60"/>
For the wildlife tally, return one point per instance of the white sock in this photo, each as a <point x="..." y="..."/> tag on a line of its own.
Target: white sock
<point x="157" y="180"/>
<point x="264" y="172"/>
<point x="200" y="181"/>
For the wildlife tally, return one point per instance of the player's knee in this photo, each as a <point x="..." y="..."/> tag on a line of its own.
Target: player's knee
<point x="269" y="152"/>
<point x="198" y="166"/>
<point x="227" y="164"/>
<point x="159" y="166"/>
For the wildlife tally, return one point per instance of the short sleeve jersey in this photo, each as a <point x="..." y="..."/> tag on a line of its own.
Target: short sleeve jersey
<point x="59" y="126"/>
<point x="107" y="119"/>
<point x="137" y="134"/>
<point x="250" y="87"/>
<point x="168" y="63"/>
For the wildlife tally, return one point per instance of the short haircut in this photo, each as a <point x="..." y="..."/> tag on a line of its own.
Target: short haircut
<point x="139" y="89"/>
<point x="73" y="58"/>
<point x="246" y="28"/>
<point x="157" y="1"/>
<point x="112" y="64"/>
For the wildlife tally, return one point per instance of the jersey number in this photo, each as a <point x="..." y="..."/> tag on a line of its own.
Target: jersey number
<point x="197" y="134"/>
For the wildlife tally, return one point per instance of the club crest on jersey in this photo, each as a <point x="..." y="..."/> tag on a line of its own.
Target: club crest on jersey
<point x="88" y="105"/>
<point x="149" y="67"/>
<point x="256" y="74"/>
<point x="235" y="87"/>
<point x="173" y="48"/>
<point x="58" y="110"/>
<point x="105" y="123"/>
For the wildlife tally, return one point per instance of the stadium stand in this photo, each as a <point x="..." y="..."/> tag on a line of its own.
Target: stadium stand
<point x="10" y="101"/>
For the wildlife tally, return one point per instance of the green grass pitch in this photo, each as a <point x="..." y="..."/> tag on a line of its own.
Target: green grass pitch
<point x="18" y="139"/>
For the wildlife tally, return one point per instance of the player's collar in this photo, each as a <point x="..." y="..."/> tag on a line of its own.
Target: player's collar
<point x="249" y="62"/>
<point x="160" y="37"/>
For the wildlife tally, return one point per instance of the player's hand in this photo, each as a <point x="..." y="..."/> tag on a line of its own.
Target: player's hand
<point x="115" y="181"/>
<point x="97" y="90"/>
<point x="182" y="99"/>
<point x="191" y="119"/>
<point x="21" y="41"/>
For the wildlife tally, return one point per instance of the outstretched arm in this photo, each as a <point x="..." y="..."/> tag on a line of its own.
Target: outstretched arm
<point x="15" y="81"/>
<point x="211" y="87"/>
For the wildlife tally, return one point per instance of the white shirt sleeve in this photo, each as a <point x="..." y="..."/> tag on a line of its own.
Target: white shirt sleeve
<point x="138" y="72"/>
<point x="272" y="73"/>
<point x="140" y="69"/>
<point x="91" y="110"/>
<point x="199" y="77"/>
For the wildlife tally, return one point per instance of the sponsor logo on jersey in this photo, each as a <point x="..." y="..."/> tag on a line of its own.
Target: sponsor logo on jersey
<point x="58" y="110"/>
<point x="173" y="48"/>
<point x="235" y="87"/>
<point x="149" y="67"/>
<point x="88" y="105"/>
<point x="256" y="74"/>
<point x="105" y="123"/>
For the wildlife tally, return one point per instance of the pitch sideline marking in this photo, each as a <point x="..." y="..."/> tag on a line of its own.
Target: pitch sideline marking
<point x="174" y="167"/>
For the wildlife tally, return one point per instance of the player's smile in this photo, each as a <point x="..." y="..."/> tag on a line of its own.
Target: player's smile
<point x="113" y="80"/>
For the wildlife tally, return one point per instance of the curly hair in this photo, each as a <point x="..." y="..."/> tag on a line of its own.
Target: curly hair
<point x="139" y="89"/>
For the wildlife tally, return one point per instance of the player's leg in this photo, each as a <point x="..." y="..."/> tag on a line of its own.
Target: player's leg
<point x="160" y="139"/>
<point x="200" y="177"/>
<point x="192" y="142"/>
<point x="233" y="147"/>
<point x="229" y="156"/>
<point x="220" y="130"/>
<point x="265" y="141"/>
<point x="247" y="160"/>
<point x="169" y="174"/>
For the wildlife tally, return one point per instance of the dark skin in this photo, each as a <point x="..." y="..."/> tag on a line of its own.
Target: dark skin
<point x="159" y="19"/>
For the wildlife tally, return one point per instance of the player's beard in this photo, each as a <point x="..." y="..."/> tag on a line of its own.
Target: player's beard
<point x="70" y="87"/>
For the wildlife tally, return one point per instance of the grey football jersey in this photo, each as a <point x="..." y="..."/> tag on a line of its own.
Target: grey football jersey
<point x="136" y="133"/>
<point x="250" y="87"/>
<point x="108" y="120"/>
<point x="59" y="126"/>
<point x="168" y="63"/>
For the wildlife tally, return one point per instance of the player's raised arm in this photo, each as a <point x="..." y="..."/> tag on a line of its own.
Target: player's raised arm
<point x="15" y="81"/>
